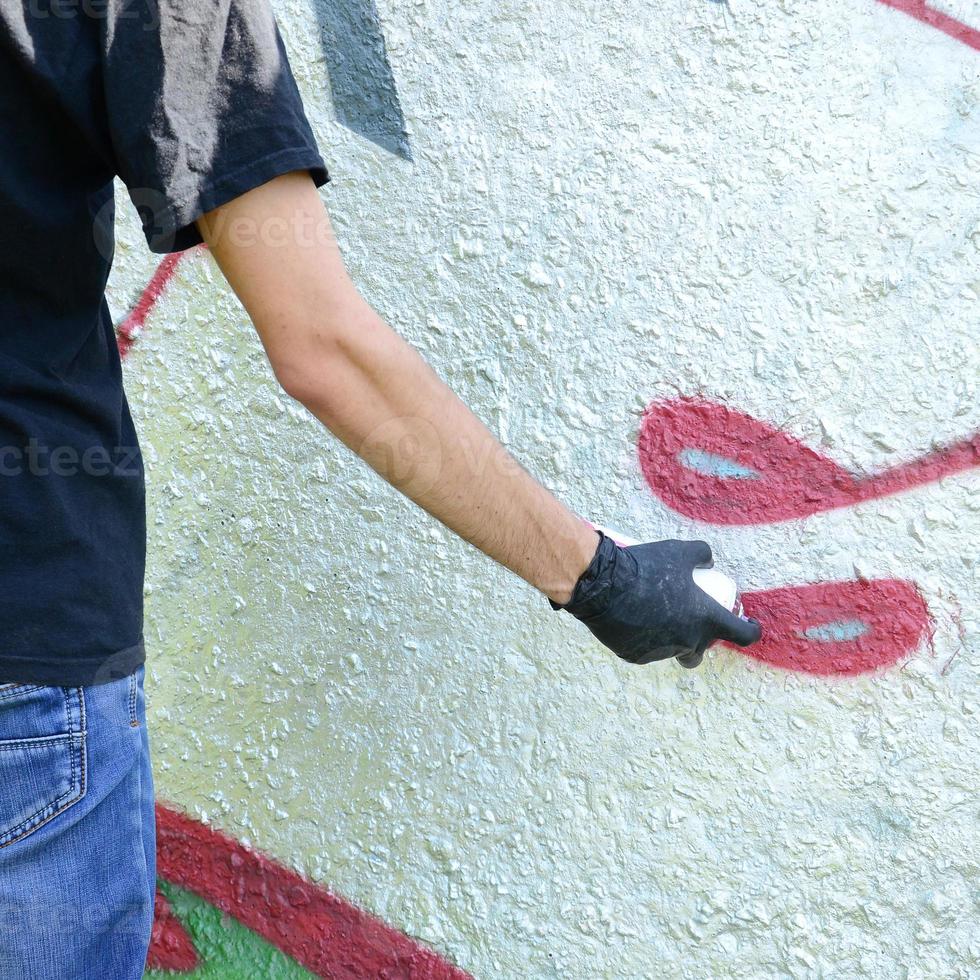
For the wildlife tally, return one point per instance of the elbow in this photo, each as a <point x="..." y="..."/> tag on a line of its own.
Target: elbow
<point x="312" y="364"/>
<point x="311" y="369"/>
<point x="303" y="379"/>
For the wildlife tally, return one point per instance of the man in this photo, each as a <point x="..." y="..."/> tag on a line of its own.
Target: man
<point x="192" y="104"/>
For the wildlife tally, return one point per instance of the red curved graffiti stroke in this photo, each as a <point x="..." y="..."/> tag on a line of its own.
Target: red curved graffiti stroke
<point x="328" y="936"/>
<point x="838" y="628"/>
<point x="171" y="948"/>
<point x="715" y="464"/>
<point x="928" y="14"/>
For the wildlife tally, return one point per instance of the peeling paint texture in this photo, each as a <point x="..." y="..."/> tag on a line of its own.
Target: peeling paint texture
<point x="773" y="207"/>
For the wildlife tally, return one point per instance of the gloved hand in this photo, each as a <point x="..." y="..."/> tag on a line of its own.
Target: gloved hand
<point x="642" y="603"/>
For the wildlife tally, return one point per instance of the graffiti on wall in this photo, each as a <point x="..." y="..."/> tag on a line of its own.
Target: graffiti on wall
<point x="129" y="329"/>
<point x="362" y="85"/>
<point x="929" y="13"/>
<point x="718" y="465"/>
<point x="838" y="629"/>
<point x="282" y="926"/>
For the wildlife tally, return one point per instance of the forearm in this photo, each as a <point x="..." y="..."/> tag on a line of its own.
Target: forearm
<point x="376" y="394"/>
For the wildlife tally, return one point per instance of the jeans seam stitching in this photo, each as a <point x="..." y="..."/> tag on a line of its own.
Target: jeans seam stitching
<point x="133" y="720"/>
<point x="19" y="689"/>
<point x="70" y="726"/>
<point x="19" y="743"/>
<point x="22" y="829"/>
<point x="61" y="803"/>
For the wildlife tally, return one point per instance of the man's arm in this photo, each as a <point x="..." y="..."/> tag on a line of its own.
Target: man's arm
<point x="332" y="352"/>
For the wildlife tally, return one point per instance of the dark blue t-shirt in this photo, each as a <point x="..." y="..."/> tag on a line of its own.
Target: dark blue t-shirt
<point x="192" y="103"/>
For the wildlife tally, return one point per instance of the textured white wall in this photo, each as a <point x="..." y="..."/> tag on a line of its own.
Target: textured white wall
<point x="773" y="205"/>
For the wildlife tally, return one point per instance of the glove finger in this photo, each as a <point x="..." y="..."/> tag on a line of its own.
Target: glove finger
<point x="692" y="658"/>
<point x="699" y="554"/>
<point x="657" y="654"/>
<point x="734" y="629"/>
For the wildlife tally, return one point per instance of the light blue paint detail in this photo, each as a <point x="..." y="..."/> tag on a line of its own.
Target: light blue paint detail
<point x="711" y="464"/>
<point x="837" y="631"/>
<point x="365" y="96"/>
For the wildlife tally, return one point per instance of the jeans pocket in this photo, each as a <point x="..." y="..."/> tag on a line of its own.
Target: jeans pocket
<point x="42" y="756"/>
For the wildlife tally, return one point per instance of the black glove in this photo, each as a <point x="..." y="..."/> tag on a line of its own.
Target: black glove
<point x="642" y="603"/>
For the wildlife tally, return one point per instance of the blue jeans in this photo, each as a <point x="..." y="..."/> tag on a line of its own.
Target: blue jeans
<point x="77" y="838"/>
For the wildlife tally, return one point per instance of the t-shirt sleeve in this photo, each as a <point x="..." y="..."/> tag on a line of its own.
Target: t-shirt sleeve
<point x="201" y="106"/>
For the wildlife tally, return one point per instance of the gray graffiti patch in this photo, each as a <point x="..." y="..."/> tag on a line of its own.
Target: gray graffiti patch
<point x="365" y="96"/>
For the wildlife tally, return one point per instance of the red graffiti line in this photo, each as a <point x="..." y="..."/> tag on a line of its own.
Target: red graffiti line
<point x="928" y="14"/>
<point x="128" y="331"/>
<point x="712" y="463"/>
<point x="838" y="628"/>
<point x="170" y="946"/>
<point x="330" y="937"/>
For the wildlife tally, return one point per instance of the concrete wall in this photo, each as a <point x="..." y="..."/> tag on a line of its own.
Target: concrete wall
<point x="772" y="208"/>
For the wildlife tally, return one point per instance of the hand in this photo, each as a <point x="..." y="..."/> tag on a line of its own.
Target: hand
<point x="642" y="603"/>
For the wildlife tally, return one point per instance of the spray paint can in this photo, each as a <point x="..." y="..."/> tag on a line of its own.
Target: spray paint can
<point x="718" y="585"/>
